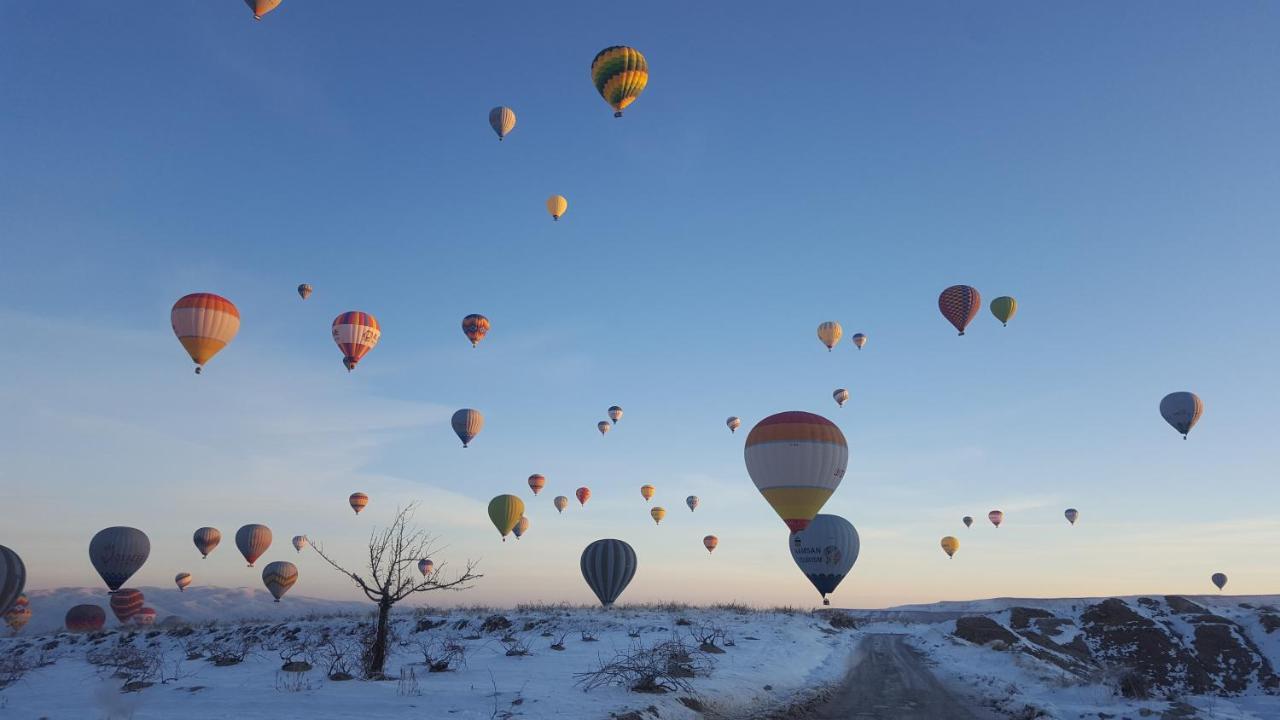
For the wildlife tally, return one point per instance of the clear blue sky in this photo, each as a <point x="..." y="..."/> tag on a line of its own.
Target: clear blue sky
<point x="1114" y="167"/>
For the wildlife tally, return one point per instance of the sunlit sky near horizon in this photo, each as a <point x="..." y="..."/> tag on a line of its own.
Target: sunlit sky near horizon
<point x="1113" y="166"/>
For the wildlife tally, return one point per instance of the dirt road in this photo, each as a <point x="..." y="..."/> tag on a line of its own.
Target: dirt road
<point x="890" y="682"/>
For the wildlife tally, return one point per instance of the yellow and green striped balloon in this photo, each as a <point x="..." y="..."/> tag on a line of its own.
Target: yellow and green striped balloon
<point x="620" y="74"/>
<point x="1004" y="308"/>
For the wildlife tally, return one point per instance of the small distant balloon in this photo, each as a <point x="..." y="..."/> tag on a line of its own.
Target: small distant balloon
<point x="505" y="512"/>
<point x="950" y="545"/>
<point x="521" y="527"/>
<point x="657" y="514"/>
<point x="647" y="491"/>
<point x="710" y="542"/>
<point x="425" y="566"/>
<point x="561" y="502"/>
<point x="304" y="291"/>
<point x="583" y="494"/>
<point x="1004" y="308"/>
<point x="829" y="333"/>
<point x="252" y="541"/>
<point x="841" y="396"/>
<point x="467" y="424"/>
<point x="300" y="542"/>
<point x="859" y="340"/>
<point x="204" y="323"/>
<point x="692" y="501"/>
<point x="734" y="423"/>
<point x="604" y="427"/>
<point x="1182" y="410"/>
<point x="557" y="205"/>
<point x="125" y="603"/>
<point x="206" y="539"/>
<point x="182" y="580"/>
<point x="967" y="520"/>
<point x="358" y="501"/>
<point x="85" y="619"/>
<point x="356" y="333"/>
<point x="1219" y="579"/>
<point x="996" y="517"/>
<point x="475" y="327"/>
<point x="537" y="481"/>
<point x="959" y="305"/>
<point x="145" y="617"/>
<point x="615" y="414"/>
<point x="503" y="120"/>
<point x="279" y="576"/>
<point x="262" y="7"/>
<point x="1071" y="514"/>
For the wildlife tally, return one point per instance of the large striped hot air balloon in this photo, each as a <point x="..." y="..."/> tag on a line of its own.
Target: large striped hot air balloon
<point x="996" y="517"/>
<point x="117" y="553"/>
<point x="503" y="120"/>
<point x="125" y="603"/>
<point x="279" y="576"/>
<point x="557" y="205"/>
<point x="467" y="424"/>
<point x="561" y="502"/>
<point x="959" y="305"/>
<point x="204" y="323"/>
<point x="1182" y="410"/>
<point x="253" y="540"/>
<point x="475" y="327"/>
<point x="358" y="501"/>
<point x="505" y="512"/>
<point x="182" y="580"/>
<point x="950" y="545"/>
<point x="825" y="551"/>
<point x="206" y="539"/>
<point x="620" y="74"/>
<point x="13" y="576"/>
<point x="796" y="459"/>
<point x="261" y="7"/>
<point x="1004" y="308"/>
<point x="356" y="333"/>
<point x="583" y="494"/>
<point x="85" y="618"/>
<point x="537" y="481"/>
<point x="608" y="566"/>
<point x="829" y="333"/>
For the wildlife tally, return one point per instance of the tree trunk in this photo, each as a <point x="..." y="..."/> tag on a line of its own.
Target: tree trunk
<point x="377" y="657"/>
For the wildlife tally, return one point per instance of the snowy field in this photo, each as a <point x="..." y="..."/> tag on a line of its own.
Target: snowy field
<point x="530" y="662"/>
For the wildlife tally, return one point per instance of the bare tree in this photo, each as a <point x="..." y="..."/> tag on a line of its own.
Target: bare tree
<point x="393" y="575"/>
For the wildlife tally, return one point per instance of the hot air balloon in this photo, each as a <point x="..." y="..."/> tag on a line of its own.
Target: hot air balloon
<point x="425" y="566"/>
<point x="959" y="304"/>
<point x="796" y="459"/>
<point x="467" y="424"/>
<point x="356" y="333"/>
<point x="537" y="481"/>
<point x="950" y="545"/>
<point x="117" y="553"/>
<point x="710" y="542"/>
<point x="1004" y="308"/>
<point x="967" y="520"/>
<point x="475" y="327"/>
<point x="182" y="580"/>
<point x="505" y="511"/>
<point x="841" y="396"/>
<point x="521" y="527"/>
<point x="858" y="340"/>
<point x="620" y="74"/>
<point x="647" y="491"/>
<point x="561" y="502"/>
<point x="279" y="576"/>
<point x="18" y="614"/>
<point x="502" y="119"/>
<point x="85" y="619"/>
<point x="657" y="514"/>
<point x="261" y="7"/>
<point x="615" y="414"/>
<point x="557" y="205"/>
<point x="253" y="540"/>
<point x="358" y="501"/>
<point x="829" y="333"/>
<point x="996" y="517"/>
<point x="125" y="603"/>
<point x="583" y="494"/>
<point x="608" y="566"/>
<point x="692" y="501"/>
<point x="204" y="323"/>
<point x="13" y="576"/>
<point x="1182" y="410"/>
<point x="206" y="539"/>
<point x="1218" y="579"/>
<point x="300" y="542"/>
<point x="734" y="423"/>
<point x="304" y="291"/>
<point x="603" y="426"/>
<point x="1071" y="514"/>
<point x="825" y="551"/>
<point x="145" y="617"/>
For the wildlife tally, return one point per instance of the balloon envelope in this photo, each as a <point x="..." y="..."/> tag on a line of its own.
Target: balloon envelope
<point x="608" y="566"/>
<point x="959" y="305"/>
<point x="996" y="517"/>
<point x="692" y="501"/>
<point x="503" y="120"/>
<point x="13" y="576"/>
<point x="647" y="491"/>
<point x="304" y="291"/>
<point x="615" y="413"/>
<point x="505" y="511"/>
<point x="829" y="333"/>
<point x="1182" y="410"/>
<point x="182" y="580"/>
<point x="796" y="460"/>
<point x="557" y="205"/>
<point x="603" y="426"/>
<point x="583" y="494"/>
<point x="967" y="520"/>
<point x="117" y="553"/>
<point x="85" y="618"/>
<point x="620" y="74"/>
<point x="561" y="502"/>
<point x="356" y="333"/>
<point x="358" y="501"/>
<point x="950" y="545"/>
<point x="252" y="541"/>
<point x="734" y="423"/>
<point x="299" y="542"/>
<point x="425" y="566"/>
<point x="537" y="481"/>
<point x="710" y="542"/>
<point x="1071" y="514"/>
<point x="204" y="323"/>
<point x="522" y="526"/>
<point x="825" y="551"/>
<point x="657" y="514"/>
<point x="475" y="327"/>
<point x="279" y="576"/>
<point x="1004" y="308"/>
<point x="206" y="539"/>
<point x="467" y="424"/>
<point x="125" y="603"/>
<point x="261" y="7"/>
<point x="1218" y="579"/>
<point x="859" y="340"/>
<point x="841" y="396"/>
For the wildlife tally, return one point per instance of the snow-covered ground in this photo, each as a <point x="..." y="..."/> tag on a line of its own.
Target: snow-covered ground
<point x="770" y="660"/>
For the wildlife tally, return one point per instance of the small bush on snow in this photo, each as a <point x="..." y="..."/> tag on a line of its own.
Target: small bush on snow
<point x="663" y="667"/>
